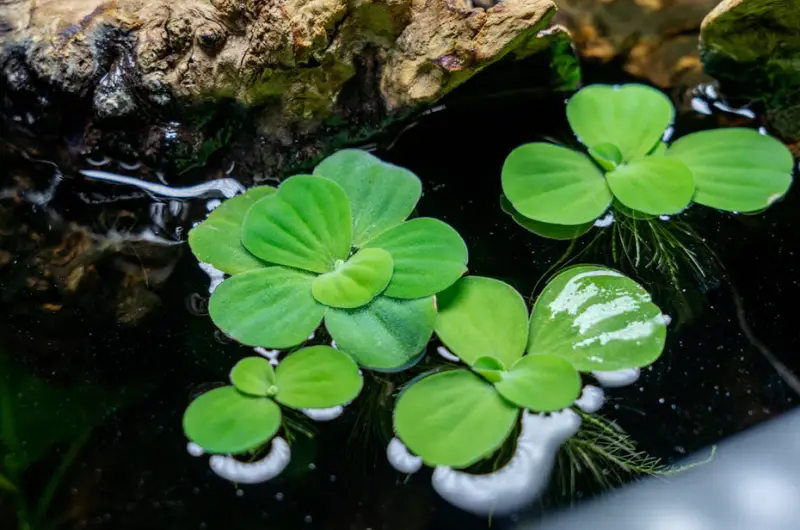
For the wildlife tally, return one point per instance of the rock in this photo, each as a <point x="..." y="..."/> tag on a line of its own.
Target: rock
<point x="652" y="39"/>
<point x="302" y="64"/>
<point x="752" y="48"/>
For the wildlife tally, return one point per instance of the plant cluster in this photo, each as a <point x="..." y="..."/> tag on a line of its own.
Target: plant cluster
<point x="559" y="192"/>
<point x="587" y="318"/>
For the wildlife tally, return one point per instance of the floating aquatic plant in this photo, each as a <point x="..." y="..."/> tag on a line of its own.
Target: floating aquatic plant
<point x="588" y="318"/>
<point x="244" y="416"/>
<point x="559" y="192"/>
<point x="334" y="245"/>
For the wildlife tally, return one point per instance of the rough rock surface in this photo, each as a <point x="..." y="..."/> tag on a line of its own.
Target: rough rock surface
<point x="753" y="48"/>
<point x="653" y="39"/>
<point x="294" y="60"/>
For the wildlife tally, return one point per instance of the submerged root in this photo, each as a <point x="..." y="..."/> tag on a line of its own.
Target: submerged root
<point x="604" y="454"/>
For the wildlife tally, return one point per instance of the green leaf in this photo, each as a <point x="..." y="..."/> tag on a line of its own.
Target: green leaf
<point x="542" y="383"/>
<point x="7" y="485"/>
<point x="381" y="195"/>
<point x="384" y="335"/>
<point x="633" y="117"/>
<point x="453" y="418"/>
<point x="659" y="149"/>
<point x="489" y="368"/>
<point x="482" y="317"/>
<point x="428" y="257"/>
<point x="628" y="212"/>
<point x="597" y="319"/>
<point x="553" y="184"/>
<point x="607" y="155"/>
<point x="548" y="230"/>
<point x="271" y="307"/>
<point x="218" y="239"/>
<point x="356" y="281"/>
<point x="317" y="377"/>
<point x="226" y="421"/>
<point x="306" y="225"/>
<point x="655" y="185"/>
<point x="254" y="376"/>
<point x="737" y="170"/>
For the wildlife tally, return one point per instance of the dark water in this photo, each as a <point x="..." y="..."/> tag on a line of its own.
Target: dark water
<point x="104" y="342"/>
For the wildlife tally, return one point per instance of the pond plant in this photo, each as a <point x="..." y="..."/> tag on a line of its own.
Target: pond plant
<point x="244" y="416"/>
<point x="587" y="318"/>
<point x="559" y="192"/>
<point x="332" y="246"/>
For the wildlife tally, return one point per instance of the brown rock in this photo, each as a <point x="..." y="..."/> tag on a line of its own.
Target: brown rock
<point x="752" y="48"/>
<point x="654" y="39"/>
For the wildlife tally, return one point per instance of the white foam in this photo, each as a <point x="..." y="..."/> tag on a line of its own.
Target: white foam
<point x="605" y="222"/>
<point x="522" y="480"/>
<point x="227" y="187"/>
<point x="215" y="275"/>
<point x="618" y="378"/>
<point x="324" y="414"/>
<point x="447" y="354"/>
<point x="256" y="472"/>
<point x="401" y="459"/>
<point x="194" y="449"/>
<point x="591" y="400"/>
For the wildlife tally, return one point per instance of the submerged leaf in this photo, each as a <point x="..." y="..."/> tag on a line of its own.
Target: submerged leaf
<point x="542" y="383"/>
<point x="218" y="239"/>
<point x="633" y="117"/>
<point x="271" y="307"/>
<point x="553" y="184"/>
<point x="655" y="185"/>
<point x="356" y="281"/>
<point x="736" y="169"/>
<point x="386" y="334"/>
<point x="597" y="319"/>
<point x="381" y="195"/>
<point x="306" y="225"/>
<point x="482" y="317"/>
<point x="548" y="230"/>
<point x="226" y="421"/>
<point x="428" y="257"/>
<point x="453" y="418"/>
<point x="254" y="376"/>
<point x="317" y="377"/>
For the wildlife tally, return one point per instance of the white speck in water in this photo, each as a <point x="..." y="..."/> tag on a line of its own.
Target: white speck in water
<point x="130" y="167"/>
<point x="256" y="472"/>
<point x="666" y="319"/>
<point x="194" y="449"/>
<point x="664" y="217"/>
<point x="617" y="378"/>
<point x="591" y="400"/>
<point x="763" y="130"/>
<point x="312" y="466"/>
<point x="212" y="204"/>
<point x="668" y="132"/>
<point x="279" y="496"/>
<point x="661" y="400"/>
<point x="307" y="519"/>
<point x="605" y="222"/>
<point x="324" y="414"/>
<point x="240" y="493"/>
<point x="401" y="459"/>
<point x="519" y="482"/>
<point x="98" y="162"/>
<point x="311" y="337"/>
<point x="272" y="355"/>
<point x="333" y="345"/>
<point x="447" y="354"/>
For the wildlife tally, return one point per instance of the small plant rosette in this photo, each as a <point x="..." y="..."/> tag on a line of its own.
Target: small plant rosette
<point x="559" y="192"/>
<point x="335" y="246"/>
<point x="244" y="416"/>
<point x="587" y="318"/>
